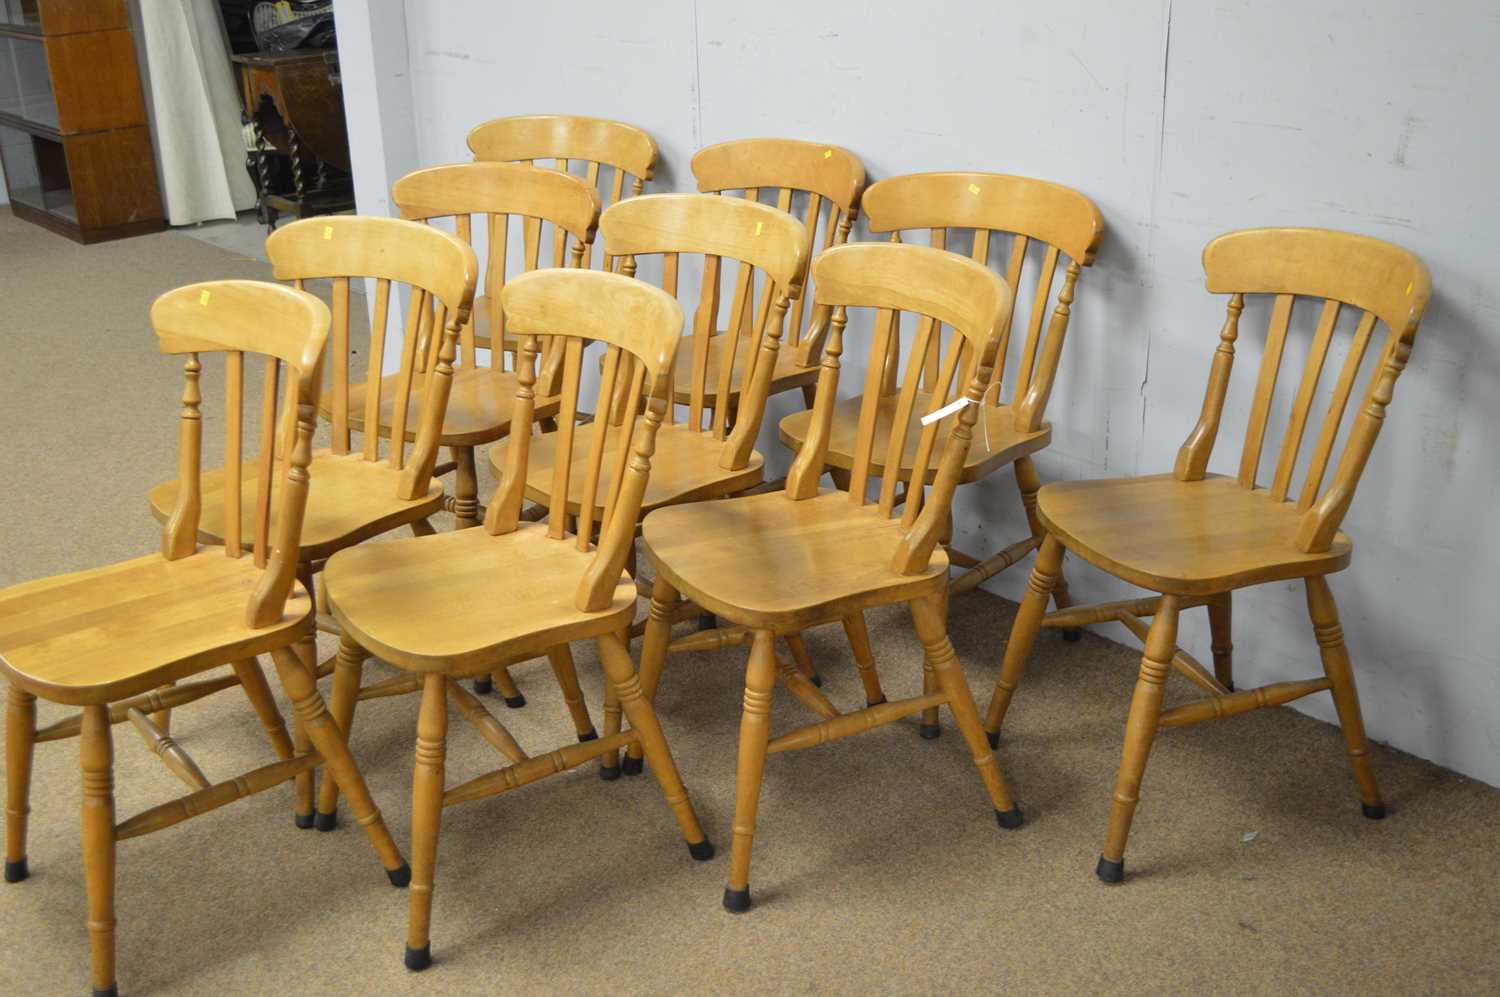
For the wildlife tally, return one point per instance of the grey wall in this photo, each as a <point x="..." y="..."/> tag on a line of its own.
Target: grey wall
<point x="1181" y="121"/>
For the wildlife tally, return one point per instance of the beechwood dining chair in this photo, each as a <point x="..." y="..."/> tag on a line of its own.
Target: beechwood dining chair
<point x="779" y="562"/>
<point x="1044" y="223"/>
<point x="1195" y="537"/>
<point x="360" y="493"/>
<point x="104" y="639"/>
<point x="526" y="587"/>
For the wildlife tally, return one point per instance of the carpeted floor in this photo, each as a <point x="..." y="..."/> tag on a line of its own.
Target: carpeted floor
<point x="878" y="864"/>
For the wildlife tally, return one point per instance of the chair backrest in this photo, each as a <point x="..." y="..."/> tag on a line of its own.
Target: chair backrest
<point x="1059" y="220"/>
<point x="640" y="325"/>
<point x="497" y="191"/>
<point x="566" y="140"/>
<point x="828" y="177"/>
<point x="754" y="236"/>
<point x="285" y="327"/>
<point x="941" y="288"/>
<point x="435" y="266"/>
<point x="1388" y="284"/>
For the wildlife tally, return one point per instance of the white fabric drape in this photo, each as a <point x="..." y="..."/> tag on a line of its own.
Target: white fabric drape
<point x="196" y="112"/>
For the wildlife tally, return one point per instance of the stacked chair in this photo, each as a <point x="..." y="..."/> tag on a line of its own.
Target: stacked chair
<point x="663" y="451"/>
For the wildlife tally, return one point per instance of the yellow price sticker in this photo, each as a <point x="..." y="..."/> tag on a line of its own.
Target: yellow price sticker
<point x="203" y="298"/>
<point x="827" y="153"/>
<point x="327" y="231"/>
<point x="759" y="226"/>
<point x="973" y="188"/>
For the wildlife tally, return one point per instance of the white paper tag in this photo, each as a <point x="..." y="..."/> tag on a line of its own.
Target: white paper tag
<point x="945" y="411"/>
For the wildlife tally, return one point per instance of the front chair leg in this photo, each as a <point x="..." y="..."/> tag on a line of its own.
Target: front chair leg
<point x="928" y="615"/>
<point x="1140" y="732"/>
<point x="1325" y="619"/>
<point x="566" y="672"/>
<point x="1023" y="633"/>
<point x="312" y="716"/>
<point x="20" y="746"/>
<point x="654" y="643"/>
<point x="755" y="735"/>
<point x="859" y="643"/>
<point x="96" y="756"/>
<point x="427" y="786"/>
<point x="1029" y="483"/>
<point x="305" y="791"/>
<point x="348" y="670"/>
<point x="620" y="674"/>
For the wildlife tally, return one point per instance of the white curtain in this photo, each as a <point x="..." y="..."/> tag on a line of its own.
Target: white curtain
<point x="195" y="111"/>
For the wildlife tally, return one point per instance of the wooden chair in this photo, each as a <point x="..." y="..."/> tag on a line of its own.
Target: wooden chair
<point x="779" y="562"/>
<point x="830" y="180"/>
<point x="360" y="493"/>
<point x="479" y="402"/>
<point x="703" y="457"/>
<point x="525" y="588"/>
<point x="104" y="639"/>
<point x="1195" y="537"/>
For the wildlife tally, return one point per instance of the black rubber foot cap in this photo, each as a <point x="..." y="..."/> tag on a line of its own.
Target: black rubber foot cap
<point x="737" y="901"/>
<point x="113" y="991"/>
<point x="817" y="680"/>
<point x="708" y="621"/>
<point x="326" y="822"/>
<point x="993" y="737"/>
<point x="304" y="822"/>
<point x="1010" y="819"/>
<point x="632" y="766"/>
<point x="930" y="732"/>
<point x="609" y="774"/>
<point x="418" y="959"/>
<point x="1374" y="811"/>
<point x="874" y="702"/>
<point x="400" y="878"/>
<point x="1110" y="872"/>
<point x="1072" y="635"/>
<point x="515" y="702"/>
<point x="592" y="735"/>
<point x="701" y="851"/>
<point x="484" y="686"/>
<point x="16" y="871"/>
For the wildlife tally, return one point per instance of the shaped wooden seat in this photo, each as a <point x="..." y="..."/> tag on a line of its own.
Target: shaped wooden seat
<point x="777" y="562"/>
<point x="448" y="605"/>
<point x="479" y="406"/>
<point x="1195" y="537"/>
<point x="102" y="639"/>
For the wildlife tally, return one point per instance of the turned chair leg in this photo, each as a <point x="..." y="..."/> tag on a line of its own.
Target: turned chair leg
<point x="1029" y="482"/>
<point x="654" y="641"/>
<point x="927" y="613"/>
<point x="802" y="659"/>
<point x="348" y="671"/>
<point x="312" y="716"/>
<point x="929" y="726"/>
<point x="755" y="735"/>
<point x="1140" y="732"/>
<point x="561" y="660"/>
<point x="609" y="762"/>
<point x="1044" y="575"/>
<point x="1219" y="616"/>
<point x="427" y="784"/>
<point x="1330" y="634"/>
<point x="620" y="674"/>
<point x="96" y="755"/>
<point x="859" y="642"/>
<point x="20" y="746"/>
<point x="465" y="489"/>
<point x="258" y="691"/>
<point x="304" y="788"/>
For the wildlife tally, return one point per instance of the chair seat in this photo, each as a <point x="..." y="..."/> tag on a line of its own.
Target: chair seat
<point x="1183" y="537"/>
<point x="479" y="406"/>
<point x="350" y="499"/>
<point x="461" y="602"/>
<point x="106" y="634"/>
<point x="766" y="561"/>
<point x="684" y="468"/>
<point x="789" y="374"/>
<point x="1005" y="444"/>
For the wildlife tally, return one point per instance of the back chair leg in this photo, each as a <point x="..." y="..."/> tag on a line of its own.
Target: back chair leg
<point x="258" y="691"/>
<point x="755" y="735"/>
<point x="465" y="489"/>
<point x="1325" y="619"/>
<point x="928" y="726"/>
<point x="20" y="746"/>
<point x="561" y="660"/>
<point x="96" y="754"/>
<point x="1029" y="482"/>
<point x="348" y="671"/>
<point x="654" y="643"/>
<point x="304" y="789"/>
<point x="859" y="642"/>
<point x="427" y="784"/>
<point x="509" y="691"/>
<point x="1023" y="633"/>
<point x="1140" y="731"/>
<point x="620" y="674"/>
<point x="1219" y="616"/>
<point x="929" y="617"/>
<point x="802" y="659"/>
<point x="312" y="716"/>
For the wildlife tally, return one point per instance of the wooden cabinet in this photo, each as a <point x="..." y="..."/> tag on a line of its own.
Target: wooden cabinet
<point x="73" y="136"/>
